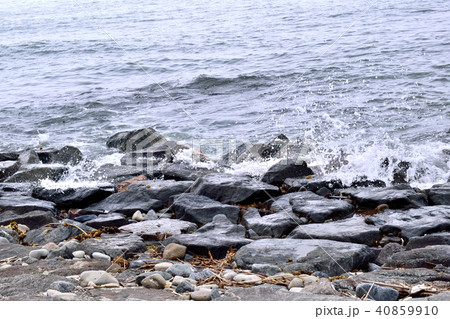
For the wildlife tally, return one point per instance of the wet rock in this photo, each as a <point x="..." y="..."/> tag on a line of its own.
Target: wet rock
<point x="414" y="222"/>
<point x="122" y="244"/>
<point x="201" y="209"/>
<point x="64" y="230"/>
<point x="155" y="281"/>
<point x="364" y="182"/>
<point x="107" y="220"/>
<point x="318" y="209"/>
<point x="140" y="139"/>
<point x="32" y="219"/>
<point x="183" y="270"/>
<point x="98" y="278"/>
<point x="286" y="169"/>
<point x="8" y="168"/>
<point x="18" y="189"/>
<point x="9" y="156"/>
<point x="29" y="157"/>
<point x="152" y="156"/>
<point x="387" y="252"/>
<point x="352" y="230"/>
<point x="161" y="190"/>
<point x="73" y="197"/>
<point x="426" y="257"/>
<point x="160" y="229"/>
<point x="123" y="186"/>
<point x="174" y="251"/>
<point x="305" y="254"/>
<point x="127" y="202"/>
<point x="427" y="240"/>
<point x="273" y="225"/>
<point x="215" y="237"/>
<point x="184" y="286"/>
<point x="115" y="174"/>
<point x="68" y="155"/>
<point x="184" y="172"/>
<point x="23" y="204"/>
<point x="231" y="189"/>
<point x="374" y="292"/>
<point x="397" y="197"/>
<point x="440" y="194"/>
<point x="37" y="173"/>
<point x="311" y="184"/>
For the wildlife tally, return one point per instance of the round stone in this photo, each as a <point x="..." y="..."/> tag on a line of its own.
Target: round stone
<point x="78" y="254"/>
<point x="155" y="281"/>
<point x="247" y="278"/>
<point x="98" y="278"/>
<point x="162" y="266"/>
<point x="296" y="289"/>
<point x="178" y="280"/>
<point x="296" y="282"/>
<point x="98" y="255"/>
<point x="3" y="240"/>
<point x="138" y="216"/>
<point x="183" y="287"/>
<point x="50" y="246"/>
<point x="183" y="270"/>
<point x="38" y="253"/>
<point x="201" y="295"/>
<point x="229" y="274"/>
<point x="62" y="286"/>
<point x="174" y="251"/>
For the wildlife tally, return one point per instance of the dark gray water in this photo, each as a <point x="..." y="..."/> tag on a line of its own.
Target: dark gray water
<point x="370" y="78"/>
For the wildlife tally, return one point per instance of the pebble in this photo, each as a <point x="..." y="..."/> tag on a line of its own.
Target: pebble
<point x="381" y="208"/>
<point x="265" y="269"/>
<point x="78" y="254"/>
<point x="207" y="286"/>
<point x="144" y="275"/>
<point x="98" y="278"/>
<point x="178" y="279"/>
<point x="296" y="289"/>
<point x="229" y="274"/>
<point x="296" y="282"/>
<point x="98" y="255"/>
<point x="174" y="251"/>
<point x="202" y="275"/>
<point x="247" y="278"/>
<point x="151" y="215"/>
<point x="3" y="240"/>
<point x="183" y="270"/>
<point x="138" y="216"/>
<point x="184" y="286"/>
<point x="114" y="268"/>
<point x="376" y="292"/>
<point x="38" y="253"/>
<point x="62" y="286"/>
<point x="67" y="296"/>
<point x="162" y="266"/>
<point x="50" y="246"/>
<point x="23" y="228"/>
<point x="201" y="295"/>
<point x="155" y="281"/>
<point x="281" y="275"/>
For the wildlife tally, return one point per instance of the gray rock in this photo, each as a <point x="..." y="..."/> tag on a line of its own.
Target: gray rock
<point x="265" y="269"/>
<point x="375" y="292"/>
<point x="29" y="157"/>
<point x="440" y="194"/>
<point x="140" y="139"/>
<point x="201" y="209"/>
<point x="38" y="253"/>
<point x="414" y="222"/>
<point x="183" y="172"/>
<point x="426" y="257"/>
<point x="311" y="184"/>
<point x="73" y="197"/>
<point x="154" y="156"/>
<point x="9" y="235"/>
<point x="66" y="251"/>
<point x="23" y="204"/>
<point x="201" y="295"/>
<point x="161" y="190"/>
<point x="97" y="255"/>
<point x="17" y="189"/>
<point x="184" y="286"/>
<point x="107" y="220"/>
<point x="68" y="155"/>
<point x="62" y="286"/>
<point x="155" y="281"/>
<point x="8" y="168"/>
<point x="427" y="240"/>
<point x="331" y="257"/>
<point x="201" y="275"/>
<point x="174" y="251"/>
<point x="183" y="270"/>
<point x="387" y="251"/>
<point x="78" y="254"/>
<point x="37" y="173"/>
<point x="159" y="229"/>
<point x="118" y="173"/>
<point x="353" y="230"/>
<point x="121" y="244"/>
<point x="215" y="238"/>
<point x="9" y="156"/>
<point x="322" y="287"/>
<point x="144" y="275"/>
<point x="64" y="230"/>
<point x="32" y="219"/>
<point x="273" y="225"/>
<point x="4" y="240"/>
<point x="97" y="277"/>
<point x="231" y="189"/>
<point x="279" y="172"/>
<point x="397" y="197"/>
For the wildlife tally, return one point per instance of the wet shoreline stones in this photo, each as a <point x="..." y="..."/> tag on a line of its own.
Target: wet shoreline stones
<point x="293" y="235"/>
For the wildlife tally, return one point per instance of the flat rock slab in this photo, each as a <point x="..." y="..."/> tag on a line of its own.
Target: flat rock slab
<point x="397" y="197"/>
<point x="428" y="240"/>
<point x="183" y="172"/>
<point x="311" y="184"/>
<point x="330" y="257"/>
<point x="24" y="204"/>
<point x="231" y="189"/>
<point x="37" y="173"/>
<point x="159" y="229"/>
<point x="427" y="257"/>
<point x="352" y="230"/>
<point x="73" y="197"/>
<point x="414" y="222"/>
<point x="286" y="169"/>
<point x="113" y="245"/>
<point x="8" y="168"/>
<point x="20" y="189"/>
<point x="14" y="250"/>
<point x="115" y="174"/>
<point x="201" y="209"/>
<point x="33" y="219"/>
<point x="107" y="220"/>
<point x="273" y="225"/>
<point x="274" y="293"/>
<point x="440" y="194"/>
<point x="162" y="190"/>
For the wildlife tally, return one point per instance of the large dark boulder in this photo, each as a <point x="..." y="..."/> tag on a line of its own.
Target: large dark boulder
<point x="8" y="168"/>
<point x="428" y="240"/>
<point x="63" y="230"/>
<point x="277" y="174"/>
<point x="311" y="184"/>
<point x="131" y="141"/>
<point x="23" y="204"/>
<point x="440" y="194"/>
<point x="231" y="189"/>
<point x="107" y="220"/>
<point x="427" y="257"/>
<point x="161" y="190"/>
<point x="68" y="155"/>
<point x="37" y="173"/>
<point x="32" y="219"/>
<point x="201" y="209"/>
<point x="9" y="156"/>
<point x="115" y="174"/>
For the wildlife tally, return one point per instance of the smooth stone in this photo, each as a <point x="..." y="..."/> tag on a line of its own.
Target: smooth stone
<point x="426" y="257"/>
<point x="3" y="240"/>
<point x="137" y="216"/>
<point x="272" y="225"/>
<point x="39" y="253"/>
<point x="201" y="295"/>
<point x="78" y="254"/>
<point x="296" y="282"/>
<point x="160" y="229"/>
<point x="162" y="266"/>
<point x="178" y="279"/>
<point x="375" y="292"/>
<point x="63" y="286"/>
<point x="229" y="274"/>
<point x="163" y="274"/>
<point x="108" y="220"/>
<point x="266" y="269"/>
<point x="247" y="278"/>
<point x="50" y="246"/>
<point x="295" y="289"/>
<point x="201" y="275"/>
<point x="183" y="287"/>
<point x="440" y="194"/>
<point x="286" y="169"/>
<point x="98" y="255"/>
<point x="174" y="251"/>
<point x="183" y="270"/>
<point x="98" y="278"/>
<point x="155" y="281"/>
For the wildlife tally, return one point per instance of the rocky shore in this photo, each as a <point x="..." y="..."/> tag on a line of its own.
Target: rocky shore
<point x="158" y="228"/>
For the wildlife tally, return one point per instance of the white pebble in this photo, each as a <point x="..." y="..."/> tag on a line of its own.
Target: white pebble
<point x="247" y="278"/>
<point x="38" y="253"/>
<point x="229" y="274"/>
<point x="162" y="266"/>
<point x="78" y="254"/>
<point x="98" y="255"/>
<point x="296" y="289"/>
